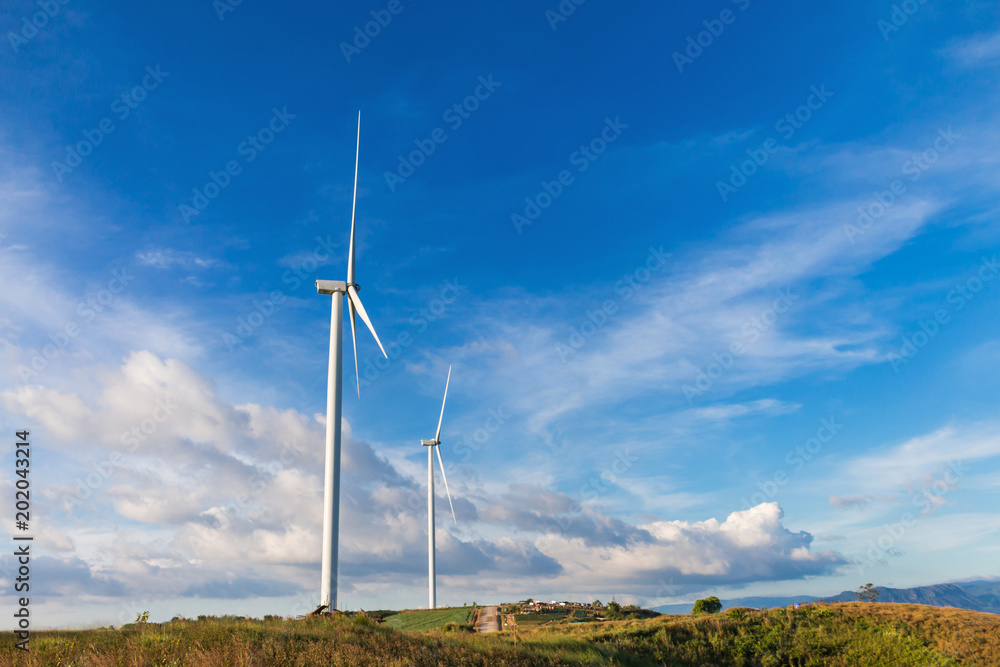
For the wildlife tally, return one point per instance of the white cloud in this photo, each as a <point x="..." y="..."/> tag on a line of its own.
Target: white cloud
<point x="975" y="50"/>
<point x="685" y="320"/>
<point x="232" y="493"/>
<point x="923" y="457"/>
<point x="750" y="545"/>
<point x="166" y="258"/>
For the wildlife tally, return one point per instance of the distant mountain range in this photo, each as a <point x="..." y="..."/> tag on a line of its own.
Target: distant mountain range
<point x="980" y="595"/>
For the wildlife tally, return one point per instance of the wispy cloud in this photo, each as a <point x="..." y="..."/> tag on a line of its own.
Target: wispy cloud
<point x="975" y="50"/>
<point x="167" y="258"/>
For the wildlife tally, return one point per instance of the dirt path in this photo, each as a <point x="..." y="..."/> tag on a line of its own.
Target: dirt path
<point x="488" y="620"/>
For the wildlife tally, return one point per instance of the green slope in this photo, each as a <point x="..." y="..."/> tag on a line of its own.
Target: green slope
<point x="410" y="621"/>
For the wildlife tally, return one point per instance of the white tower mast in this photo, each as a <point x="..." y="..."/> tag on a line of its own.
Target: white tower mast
<point x="432" y="445"/>
<point x="331" y="480"/>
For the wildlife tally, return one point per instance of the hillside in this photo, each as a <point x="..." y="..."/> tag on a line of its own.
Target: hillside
<point x="979" y="595"/>
<point x="428" y="619"/>
<point x="839" y="635"/>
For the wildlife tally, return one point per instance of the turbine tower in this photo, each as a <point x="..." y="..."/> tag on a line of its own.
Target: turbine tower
<point x="432" y="445"/>
<point x="331" y="482"/>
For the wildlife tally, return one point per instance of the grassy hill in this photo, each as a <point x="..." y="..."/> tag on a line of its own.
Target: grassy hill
<point x="839" y="635"/>
<point x="410" y="621"/>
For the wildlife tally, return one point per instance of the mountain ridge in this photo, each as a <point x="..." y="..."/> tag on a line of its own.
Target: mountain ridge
<point x="975" y="595"/>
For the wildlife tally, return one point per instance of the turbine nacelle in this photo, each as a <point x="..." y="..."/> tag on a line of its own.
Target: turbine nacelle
<point x="331" y="286"/>
<point x="430" y="443"/>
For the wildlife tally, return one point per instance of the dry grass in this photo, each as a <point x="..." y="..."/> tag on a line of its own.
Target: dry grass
<point x="841" y="635"/>
<point x="971" y="637"/>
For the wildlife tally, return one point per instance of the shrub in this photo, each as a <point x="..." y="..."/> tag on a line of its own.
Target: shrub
<point x="709" y="605"/>
<point x="451" y="626"/>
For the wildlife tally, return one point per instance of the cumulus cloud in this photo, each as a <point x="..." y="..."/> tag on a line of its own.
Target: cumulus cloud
<point x="225" y="501"/>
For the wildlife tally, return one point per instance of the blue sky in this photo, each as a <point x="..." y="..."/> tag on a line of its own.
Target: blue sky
<point x="718" y="285"/>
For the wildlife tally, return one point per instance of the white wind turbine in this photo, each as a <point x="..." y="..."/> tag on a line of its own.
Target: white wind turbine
<point x="435" y="444"/>
<point x="331" y="483"/>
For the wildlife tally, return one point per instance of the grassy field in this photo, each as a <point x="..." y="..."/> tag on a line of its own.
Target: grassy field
<point x="841" y="635"/>
<point x="410" y="621"/>
<point x="536" y="619"/>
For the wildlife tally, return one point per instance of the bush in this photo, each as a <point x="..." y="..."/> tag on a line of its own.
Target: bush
<point x="451" y="626"/>
<point x="736" y="614"/>
<point x="709" y="605"/>
<point x="614" y="612"/>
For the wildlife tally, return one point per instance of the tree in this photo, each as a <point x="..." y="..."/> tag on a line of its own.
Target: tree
<point x="709" y="605"/>
<point x="597" y="603"/>
<point x="868" y="593"/>
<point x="614" y="612"/>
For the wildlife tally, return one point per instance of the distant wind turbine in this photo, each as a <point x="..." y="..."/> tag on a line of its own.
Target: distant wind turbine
<point x="334" y="391"/>
<point x="435" y="444"/>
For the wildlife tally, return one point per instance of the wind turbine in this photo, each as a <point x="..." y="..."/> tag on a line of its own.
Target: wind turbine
<point x="331" y="482"/>
<point x="434" y="444"/>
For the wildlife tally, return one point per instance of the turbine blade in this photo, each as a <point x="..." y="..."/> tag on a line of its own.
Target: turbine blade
<point x="354" y="339"/>
<point x="445" y="478"/>
<point x="354" y="208"/>
<point x="437" y="437"/>
<point x="352" y="294"/>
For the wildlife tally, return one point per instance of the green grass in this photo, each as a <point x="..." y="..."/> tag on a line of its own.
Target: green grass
<point x="536" y="619"/>
<point x="841" y="635"/>
<point x="418" y="621"/>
